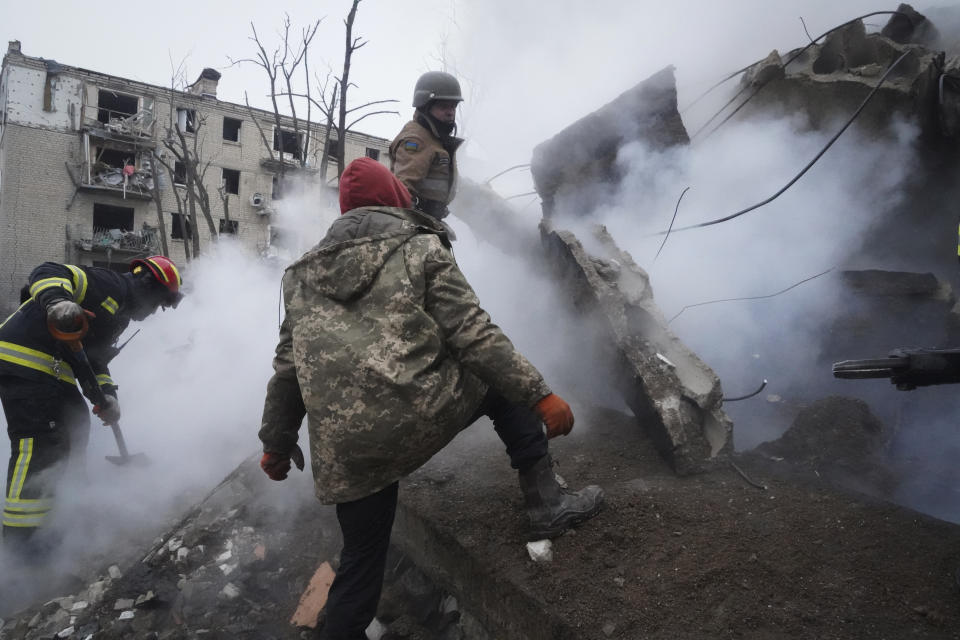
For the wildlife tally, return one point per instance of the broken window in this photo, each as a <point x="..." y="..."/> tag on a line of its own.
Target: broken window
<point x="332" y="149"/>
<point x="187" y="120"/>
<point x="106" y="158"/>
<point x="291" y="142"/>
<point x="176" y="231"/>
<point x="229" y="226"/>
<point x="108" y="216"/>
<point x="231" y="129"/>
<point x="179" y="174"/>
<point x="115" y="106"/>
<point x="372" y="153"/>
<point x="231" y="181"/>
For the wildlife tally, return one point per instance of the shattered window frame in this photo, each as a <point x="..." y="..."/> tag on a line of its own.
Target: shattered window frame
<point x="231" y="227"/>
<point x="230" y="184"/>
<point x="233" y="128"/>
<point x="373" y="154"/>
<point x="289" y="134"/>
<point x="107" y="156"/>
<point x="110" y="216"/>
<point x="179" y="174"/>
<point x="175" y="233"/>
<point x="191" y="120"/>
<point x="332" y="144"/>
<point x="104" y="112"/>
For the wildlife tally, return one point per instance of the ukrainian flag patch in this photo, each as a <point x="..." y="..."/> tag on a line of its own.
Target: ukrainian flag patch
<point x="410" y="145"/>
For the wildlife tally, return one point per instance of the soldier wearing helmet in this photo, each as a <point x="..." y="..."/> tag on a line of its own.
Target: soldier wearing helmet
<point x="47" y="419"/>
<point x="423" y="155"/>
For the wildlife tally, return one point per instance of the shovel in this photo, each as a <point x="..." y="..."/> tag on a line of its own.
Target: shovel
<point x="91" y="388"/>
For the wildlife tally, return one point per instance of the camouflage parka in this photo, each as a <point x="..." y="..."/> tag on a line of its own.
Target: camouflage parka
<point x="386" y="350"/>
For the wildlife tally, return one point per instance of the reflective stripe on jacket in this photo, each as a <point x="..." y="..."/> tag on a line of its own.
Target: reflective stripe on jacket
<point x="27" y="349"/>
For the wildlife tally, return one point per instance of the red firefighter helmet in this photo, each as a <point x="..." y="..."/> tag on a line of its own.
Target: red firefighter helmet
<point x="165" y="272"/>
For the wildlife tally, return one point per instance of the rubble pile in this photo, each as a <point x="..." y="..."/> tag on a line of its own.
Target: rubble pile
<point x="676" y="397"/>
<point x="238" y="565"/>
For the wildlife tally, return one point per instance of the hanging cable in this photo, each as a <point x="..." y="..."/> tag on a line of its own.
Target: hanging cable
<point x="771" y="295"/>
<point x="707" y="92"/>
<point x="763" y="385"/>
<point x="675" y="210"/>
<point x="796" y="55"/>
<point x="829" y="144"/>
<point x="520" y="195"/>
<point x="507" y="170"/>
<point x="805" y="29"/>
<point x="722" y="109"/>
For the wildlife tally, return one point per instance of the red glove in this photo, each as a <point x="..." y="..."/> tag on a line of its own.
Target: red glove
<point x="275" y="465"/>
<point x="556" y="415"/>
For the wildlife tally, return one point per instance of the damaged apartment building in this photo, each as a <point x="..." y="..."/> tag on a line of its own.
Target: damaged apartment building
<point x="81" y="179"/>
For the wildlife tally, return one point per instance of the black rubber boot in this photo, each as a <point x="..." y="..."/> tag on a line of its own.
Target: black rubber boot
<point x="551" y="508"/>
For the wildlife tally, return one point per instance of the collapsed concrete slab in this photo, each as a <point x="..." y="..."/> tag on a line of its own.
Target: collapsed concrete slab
<point x="579" y="164"/>
<point x="493" y="219"/>
<point x="675" y="396"/>
<point x="831" y="79"/>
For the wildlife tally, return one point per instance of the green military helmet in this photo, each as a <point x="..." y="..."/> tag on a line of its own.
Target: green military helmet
<point x="436" y="85"/>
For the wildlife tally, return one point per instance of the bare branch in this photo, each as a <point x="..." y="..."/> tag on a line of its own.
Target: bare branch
<point x="372" y="113"/>
<point x="263" y="136"/>
<point x="368" y="104"/>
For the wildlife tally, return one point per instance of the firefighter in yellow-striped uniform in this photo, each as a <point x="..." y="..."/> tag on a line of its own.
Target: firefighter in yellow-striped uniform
<point x="47" y="419"/>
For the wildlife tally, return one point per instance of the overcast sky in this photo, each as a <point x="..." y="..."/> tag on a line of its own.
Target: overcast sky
<point x="528" y="68"/>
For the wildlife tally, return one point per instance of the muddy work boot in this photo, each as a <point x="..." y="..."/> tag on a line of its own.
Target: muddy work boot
<point x="552" y="509"/>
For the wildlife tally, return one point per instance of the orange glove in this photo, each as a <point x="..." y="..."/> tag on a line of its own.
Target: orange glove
<point x="275" y="465"/>
<point x="556" y="415"/>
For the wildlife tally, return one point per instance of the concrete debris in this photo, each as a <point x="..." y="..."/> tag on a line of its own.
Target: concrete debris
<point x="676" y="397"/>
<point x="540" y="550"/>
<point x="230" y="590"/>
<point x="145" y="600"/>
<point x="831" y="79"/>
<point x="767" y="70"/>
<point x="123" y="603"/>
<point x="114" y="572"/>
<point x="909" y="26"/>
<point x="578" y="167"/>
<point x="494" y="220"/>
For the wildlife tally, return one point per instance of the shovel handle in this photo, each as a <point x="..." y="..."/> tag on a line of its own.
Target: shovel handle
<point x="121" y="444"/>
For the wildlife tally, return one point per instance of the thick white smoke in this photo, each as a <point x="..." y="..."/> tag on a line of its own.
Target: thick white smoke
<point x="192" y="385"/>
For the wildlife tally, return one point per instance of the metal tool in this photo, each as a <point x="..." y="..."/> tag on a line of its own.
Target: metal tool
<point x="87" y="378"/>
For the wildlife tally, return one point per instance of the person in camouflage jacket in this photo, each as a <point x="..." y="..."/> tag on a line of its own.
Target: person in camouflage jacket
<point x="387" y="352"/>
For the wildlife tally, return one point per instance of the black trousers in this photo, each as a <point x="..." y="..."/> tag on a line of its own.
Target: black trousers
<point x="46" y="422"/>
<point x="366" y="524"/>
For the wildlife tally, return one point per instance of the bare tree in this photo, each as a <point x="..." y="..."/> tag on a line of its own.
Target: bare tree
<point x="327" y="95"/>
<point x="351" y="45"/>
<point x="281" y="66"/>
<point x="186" y="151"/>
<point x="158" y="202"/>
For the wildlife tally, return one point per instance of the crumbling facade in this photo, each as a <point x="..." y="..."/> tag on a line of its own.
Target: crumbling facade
<point x="80" y="174"/>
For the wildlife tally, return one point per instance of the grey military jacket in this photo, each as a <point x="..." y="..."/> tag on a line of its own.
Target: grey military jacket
<point x="386" y="350"/>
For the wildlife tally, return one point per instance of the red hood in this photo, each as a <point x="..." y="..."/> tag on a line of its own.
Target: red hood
<point x="366" y="183"/>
